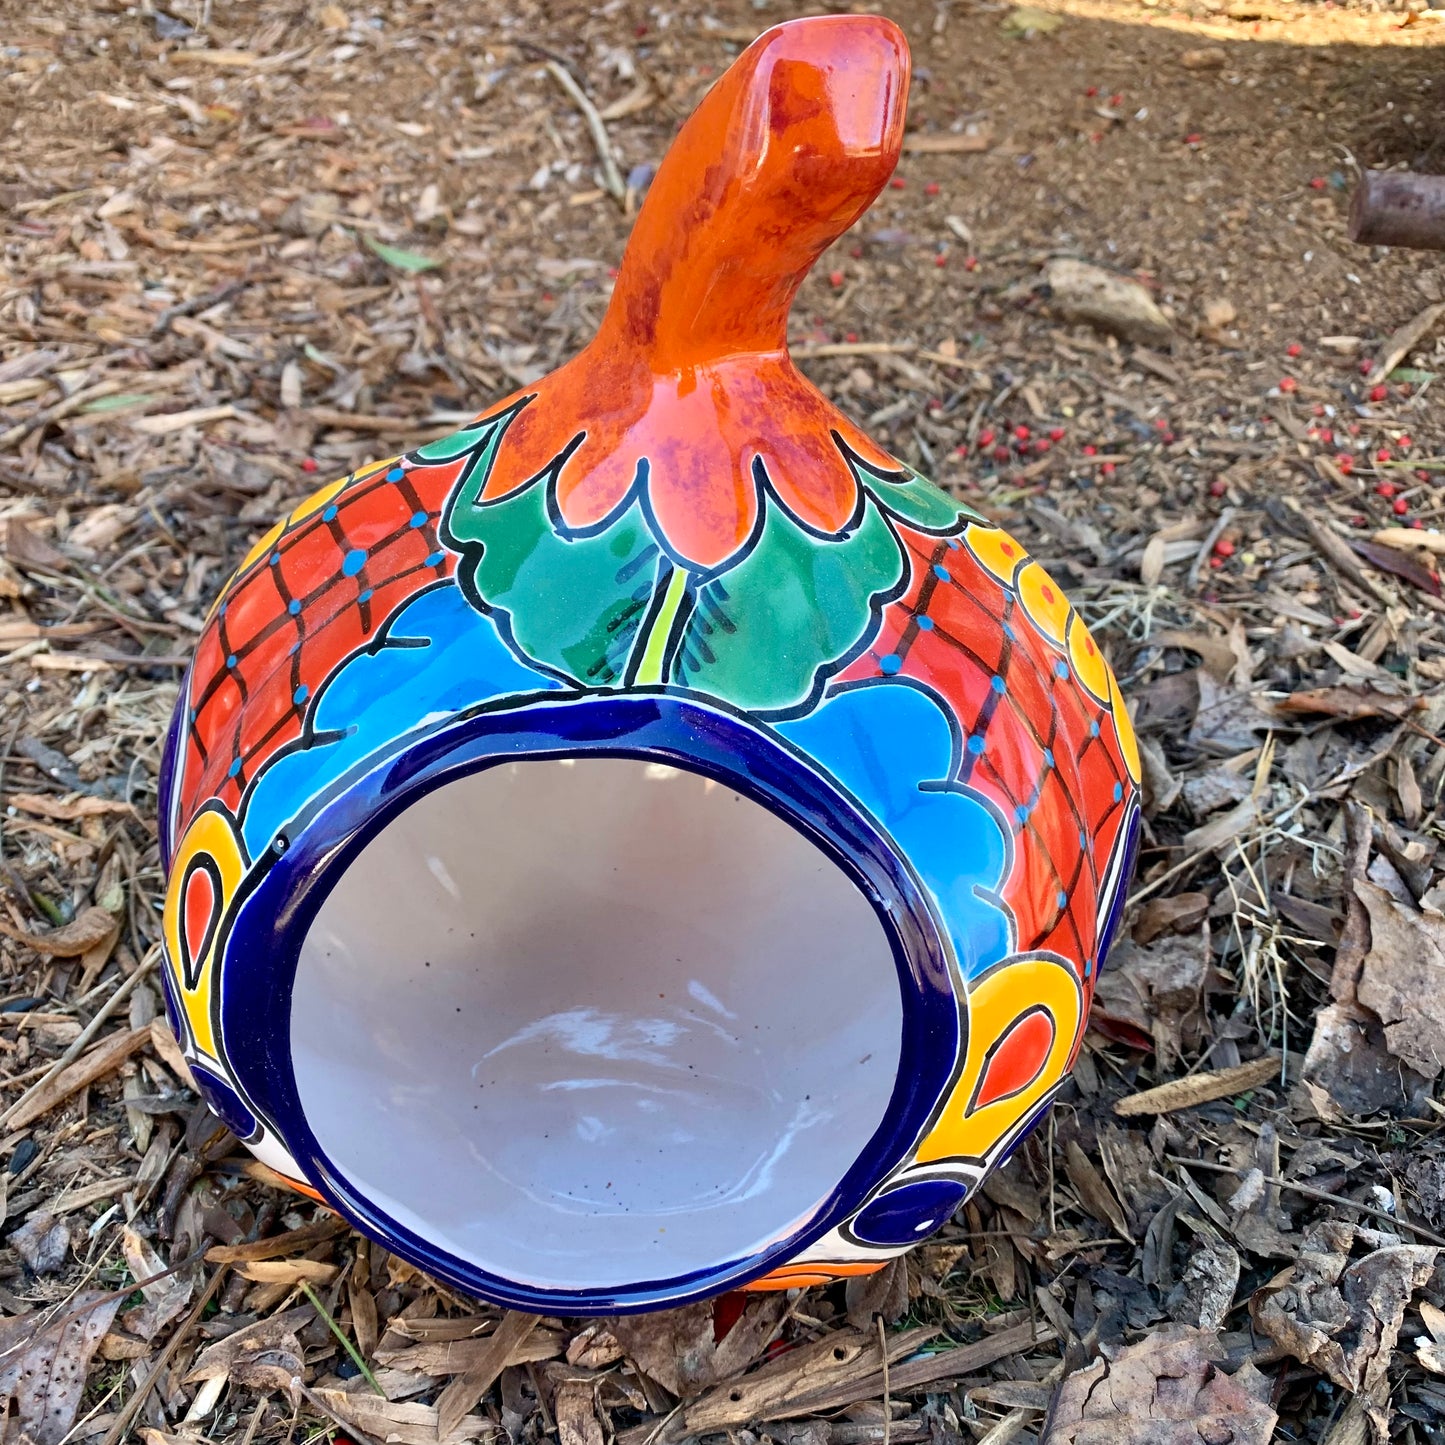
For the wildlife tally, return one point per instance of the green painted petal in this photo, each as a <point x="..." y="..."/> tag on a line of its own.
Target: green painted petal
<point x="571" y="604"/>
<point x="918" y="502"/>
<point x="759" y="633"/>
<point x="444" y="449"/>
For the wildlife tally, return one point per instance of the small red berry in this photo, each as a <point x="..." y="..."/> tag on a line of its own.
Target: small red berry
<point x="1218" y="487"/>
<point x="1169" y="438"/>
<point x="1090" y="449"/>
<point x="1092" y="91"/>
<point x="1224" y="548"/>
<point x="941" y="259"/>
<point x="1216" y="562"/>
<point x="835" y="278"/>
<point x="1379" y="393"/>
<point x="1366" y="366"/>
<point x="1293" y="349"/>
<point x="1421" y="475"/>
<point x="856" y="252"/>
<point x="850" y="337"/>
<point x="932" y="188"/>
<point x="970" y="263"/>
<point x="1107" y="469"/>
<point x="898" y="183"/>
<point x="961" y="450"/>
<point x="1399" y="506"/>
<point x="985" y="437"/>
<point x="1056" y="434"/>
<point x="1193" y="138"/>
<point x="1383" y="455"/>
<point x="1317" y="183"/>
<point x="1116" y="99"/>
<point x="547" y="298"/>
<point x="1345" y="462"/>
<point x="1160" y="424"/>
<point x="1317" y="410"/>
<point x="1404" y="442"/>
<point x="1041" y="446"/>
<point x="1385" y="489"/>
<point x="1288" y="384"/>
<point x="1001" y="454"/>
<point x="1022" y="433"/>
<point x="1417" y="523"/>
<point x="310" y="465"/>
<point x="1327" y="436"/>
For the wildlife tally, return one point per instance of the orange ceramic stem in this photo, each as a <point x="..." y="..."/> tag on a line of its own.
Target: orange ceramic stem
<point x="786" y="151"/>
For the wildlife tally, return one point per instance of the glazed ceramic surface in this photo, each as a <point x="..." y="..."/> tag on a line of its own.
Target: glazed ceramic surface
<point x="651" y="841"/>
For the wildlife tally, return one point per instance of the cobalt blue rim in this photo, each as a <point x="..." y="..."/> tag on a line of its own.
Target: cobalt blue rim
<point x="302" y="868"/>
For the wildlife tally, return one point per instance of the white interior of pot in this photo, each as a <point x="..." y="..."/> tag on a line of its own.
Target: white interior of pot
<point x="591" y="1022"/>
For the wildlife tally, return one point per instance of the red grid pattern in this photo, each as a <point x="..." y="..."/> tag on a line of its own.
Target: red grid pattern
<point x="324" y="589"/>
<point x="1034" y="742"/>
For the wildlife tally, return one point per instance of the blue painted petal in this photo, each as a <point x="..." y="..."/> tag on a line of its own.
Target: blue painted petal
<point x="380" y="696"/>
<point x="881" y="742"/>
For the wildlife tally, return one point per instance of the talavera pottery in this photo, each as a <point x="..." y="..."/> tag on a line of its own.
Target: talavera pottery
<point x="651" y="842"/>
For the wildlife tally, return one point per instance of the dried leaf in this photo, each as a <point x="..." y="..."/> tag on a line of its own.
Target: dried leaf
<point x="90" y="929"/>
<point x="1112" y="303"/>
<point x="402" y="1423"/>
<point x="1341" y="1317"/>
<point x="165" y="1298"/>
<point x="43" y="1242"/>
<point x="1167" y="1389"/>
<point x="44" y="1357"/>
<point x="1403" y="979"/>
<point x="678" y="1350"/>
<point x="1094" y="1194"/>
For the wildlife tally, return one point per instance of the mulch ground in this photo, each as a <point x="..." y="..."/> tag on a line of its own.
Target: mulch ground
<point x="247" y="247"/>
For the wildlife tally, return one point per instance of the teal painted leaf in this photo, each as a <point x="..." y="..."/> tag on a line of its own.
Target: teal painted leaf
<point x="448" y="447"/>
<point x="758" y="634"/>
<point x="917" y="502"/>
<point x="572" y="604"/>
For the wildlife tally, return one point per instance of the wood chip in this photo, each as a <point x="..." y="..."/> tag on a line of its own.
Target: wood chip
<point x="1199" y="1089"/>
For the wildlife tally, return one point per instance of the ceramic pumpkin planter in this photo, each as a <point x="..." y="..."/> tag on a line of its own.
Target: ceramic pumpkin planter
<point x="651" y="842"/>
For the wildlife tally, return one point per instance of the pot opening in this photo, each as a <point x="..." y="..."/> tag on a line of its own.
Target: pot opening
<point x="588" y="1022"/>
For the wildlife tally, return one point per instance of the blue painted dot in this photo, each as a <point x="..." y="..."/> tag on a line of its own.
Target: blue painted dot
<point x="329" y="515"/>
<point x="395" y="474"/>
<point x="890" y="664"/>
<point x="191" y="717"/>
<point x="293" y="649"/>
<point x="301" y="694"/>
<point x="1061" y="669"/>
<point x="1062" y="899"/>
<point x="1021" y="813"/>
<point x="925" y="624"/>
<point x="365" y="596"/>
<point x="976" y="745"/>
<point x="1118" y="791"/>
<point x="1009" y="633"/>
<point x="435" y="560"/>
<point x="1094" y="728"/>
<point x="1088" y="967"/>
<point x="353" y="562"/>
<point x="1083" y="839"/>
<point x="954" y="544"/>
<point x="941" y="572"/>
<point x="234" y="770"/>
<point x="293" y="607"/>
<point x="223" y="608"/>
<point x="231" y="660"/>
<point x="904" y="1214"/>
<point x="1048" y="757"/>
<point x="418" y="519"/>
<point x="997" y="683"/>
<point x="275" y="559"/>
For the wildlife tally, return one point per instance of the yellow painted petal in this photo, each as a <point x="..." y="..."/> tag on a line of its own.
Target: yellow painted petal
<point x="1044" y="601"/>
<point x="1128" y="743"/>
<point x="1088" y="661"/>
<point x="995" y="550"/>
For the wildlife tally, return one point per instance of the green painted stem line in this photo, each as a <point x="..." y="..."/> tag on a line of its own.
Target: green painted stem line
<point x="649" y="670"/>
